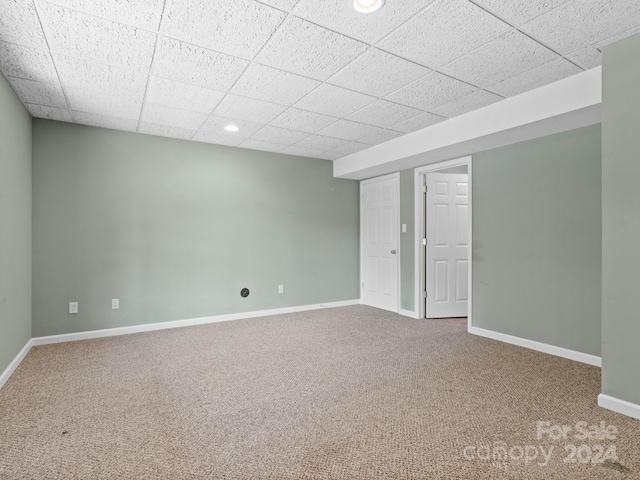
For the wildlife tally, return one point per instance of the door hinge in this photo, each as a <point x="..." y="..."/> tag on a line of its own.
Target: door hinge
<point x="425" y="294"/>
<point x="424" y="241"/>
<point x="425" y="189"/>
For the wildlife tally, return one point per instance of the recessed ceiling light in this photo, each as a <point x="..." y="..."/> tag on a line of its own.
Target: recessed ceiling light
<point x="231" y="128"/>
<point x="367" y="6"/>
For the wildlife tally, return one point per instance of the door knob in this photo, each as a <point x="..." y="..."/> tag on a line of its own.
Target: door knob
<point x="393" y="252"/>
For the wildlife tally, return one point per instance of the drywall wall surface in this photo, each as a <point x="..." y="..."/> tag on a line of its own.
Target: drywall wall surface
<point x="15" y="225"/>
<point x="537" y="240"/>
<point x="621" y="220"/>
<point x="175" y="229"/>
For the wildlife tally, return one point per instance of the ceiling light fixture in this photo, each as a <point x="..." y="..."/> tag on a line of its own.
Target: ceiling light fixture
<point x="231" y="128"/>
<point x="367" y="6"/>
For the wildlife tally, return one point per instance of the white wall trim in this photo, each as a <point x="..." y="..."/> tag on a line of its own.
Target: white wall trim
<point x="621" y="406"/>
<point x="419" y="260"/>
<point x="111" y="332"/>
<point x="540" y="347"/>
<point x="396" y="177"/>
<point x="408" y="313"/>
<point x="15" y="363"/>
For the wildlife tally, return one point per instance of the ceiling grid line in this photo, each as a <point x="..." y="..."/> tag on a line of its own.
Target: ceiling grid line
<point x="153" y="57"/>
<point x="36" y="6"/>
<point x="548" y="47"/>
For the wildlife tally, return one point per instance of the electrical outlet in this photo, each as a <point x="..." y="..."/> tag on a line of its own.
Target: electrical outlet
<point x="280" y="288"/>
<point x="404" y="228"/>
<point x="73" y="307"/>
<point x="115" y="304"/>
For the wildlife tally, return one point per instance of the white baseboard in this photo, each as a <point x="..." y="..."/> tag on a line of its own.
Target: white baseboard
<point x="540" y="347"/>
<point x="15" y="362"/>
<point x="408" y="313"/>
<point x="112" y="332"/>
<point x="621" y="406"/>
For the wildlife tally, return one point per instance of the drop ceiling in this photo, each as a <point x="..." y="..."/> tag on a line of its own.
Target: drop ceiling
<point x="301" y="77"/>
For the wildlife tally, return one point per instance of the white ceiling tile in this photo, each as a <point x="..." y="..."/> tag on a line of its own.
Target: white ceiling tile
<point x="320" y="142"/>
<point x="166" y="131"/>
<point x="335" y="101"/>
<point x="235" y="27"/>
<point x="175" y="117"/>
<point x="102" y="41"/>
<point x="339" y="15"/>
<point x="273" y="85"/>
<point x="348" y="130"/>
<point x="216" y="124"/>
<point x="19" y="23"/>
<point x="281" y="4"/>
<point x="419" y="122"/>
<point x="462" y="105"/>
<point x="511" y="54"/>
<point x="309" y="122"/>
<point x="441" y="89"/>
<point x="90" y="86"/>
<point x="50" y="113"/>
<point x="104" y="103"/>
<point x="253" y="144"/>
<point x="579" y="23"/>
<point x="279" y="135"/>
<point x="330" y="156"/>
<point x="47" y="94"/>
<point x="248" y="109"/>
<point x="351" y="147"/>
<point x="25" y="62"/>
<point x="445" y="30"/>
<point x="105" y="121"/>
<point x="193" y="65"/>
<point x="218" y="138"/>
<point x="383" y="114"/>
<point x="143" y="14"/>
<point x="307" y="49"/>
<point x="380" y="137"/>
<point x="587" y="58"/>
<point x="377" y="73"/>
<point x="591" y="56"/>
<point x="167" y="92"/>
<point x="519" y="12"/>
<point x="537" y="77"/>
<point x="302" y="152"/>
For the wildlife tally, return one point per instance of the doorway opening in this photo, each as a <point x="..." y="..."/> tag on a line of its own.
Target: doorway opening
<point x="443" y="273"/>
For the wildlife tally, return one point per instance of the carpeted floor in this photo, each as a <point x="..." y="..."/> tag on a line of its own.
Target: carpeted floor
<point x="350" y="393"/>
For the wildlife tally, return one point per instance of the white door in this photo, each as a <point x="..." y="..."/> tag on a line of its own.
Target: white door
<point x="447" y="265"/>
<point x="379" y="223"/>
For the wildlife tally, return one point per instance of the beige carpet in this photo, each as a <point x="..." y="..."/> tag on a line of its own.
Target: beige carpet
<point x="351" y="393"/>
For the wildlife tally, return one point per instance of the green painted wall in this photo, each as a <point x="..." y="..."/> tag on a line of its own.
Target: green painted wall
<point x="175" y="229"/>
<point x="537" y="240"/>
<point x="621" y="220"/>
<point x="15" y="225"/>
<point x="407" y="241"/>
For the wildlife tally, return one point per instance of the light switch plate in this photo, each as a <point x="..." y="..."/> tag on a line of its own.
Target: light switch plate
<point x="73" y="308"/>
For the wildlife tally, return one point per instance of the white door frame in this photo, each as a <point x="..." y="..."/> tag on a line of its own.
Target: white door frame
<point x="419" y="229"/>
<point x="395" y="176"/>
